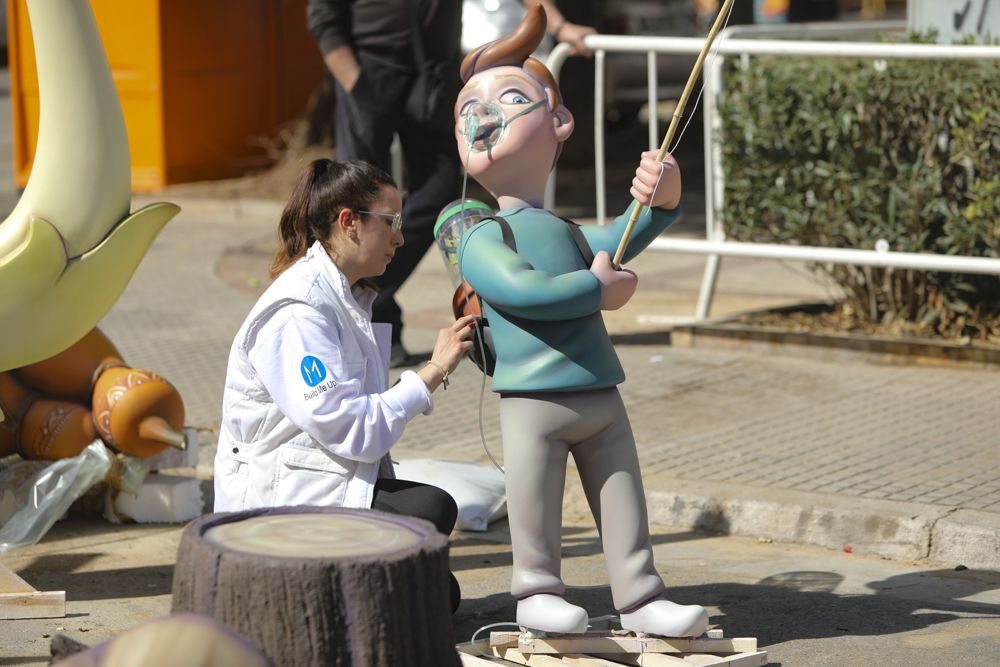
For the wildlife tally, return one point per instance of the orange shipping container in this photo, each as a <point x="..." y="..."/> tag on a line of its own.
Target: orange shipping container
<point x="201" y="84"/>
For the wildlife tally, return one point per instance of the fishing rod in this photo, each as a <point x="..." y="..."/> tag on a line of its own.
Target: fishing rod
<point x="675" y="121"/>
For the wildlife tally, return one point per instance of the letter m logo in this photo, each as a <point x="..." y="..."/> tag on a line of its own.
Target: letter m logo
<point x="313" y="370"/>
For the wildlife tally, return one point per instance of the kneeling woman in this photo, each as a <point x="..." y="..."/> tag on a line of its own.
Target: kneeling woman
<point x="308" y="417"/>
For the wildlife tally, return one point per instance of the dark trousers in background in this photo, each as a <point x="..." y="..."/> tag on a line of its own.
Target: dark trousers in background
<point x="367" y="119"/>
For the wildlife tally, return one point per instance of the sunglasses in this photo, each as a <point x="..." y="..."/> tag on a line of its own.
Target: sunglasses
<point x="397" y="219"/>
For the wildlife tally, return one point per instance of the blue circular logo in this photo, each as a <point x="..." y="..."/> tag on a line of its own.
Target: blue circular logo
<point x="313" y="370"/>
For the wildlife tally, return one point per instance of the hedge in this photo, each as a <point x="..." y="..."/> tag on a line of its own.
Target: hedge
<point x="843" y="152"/>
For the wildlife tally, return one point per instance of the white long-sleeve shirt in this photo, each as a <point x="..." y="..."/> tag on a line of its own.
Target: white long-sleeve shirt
<point x="307" y="416"/>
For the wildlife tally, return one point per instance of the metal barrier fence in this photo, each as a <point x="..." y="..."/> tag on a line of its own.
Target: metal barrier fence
<point x="715" y="245"/>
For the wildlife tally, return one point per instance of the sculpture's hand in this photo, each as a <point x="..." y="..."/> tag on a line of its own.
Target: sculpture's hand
<point x="617" y="286"/>
<point x="662" y="184"/>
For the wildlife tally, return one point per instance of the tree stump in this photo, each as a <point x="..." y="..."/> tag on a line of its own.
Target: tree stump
<point x="322" y="586"/>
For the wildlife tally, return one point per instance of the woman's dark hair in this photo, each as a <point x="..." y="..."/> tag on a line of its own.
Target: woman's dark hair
<point x="324" y="190"/>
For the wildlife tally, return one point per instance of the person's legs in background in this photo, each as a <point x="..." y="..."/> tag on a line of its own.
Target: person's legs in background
<point x="434" y="180"/>
<point x="423" y="501"/>
<point x="368" y="117"/>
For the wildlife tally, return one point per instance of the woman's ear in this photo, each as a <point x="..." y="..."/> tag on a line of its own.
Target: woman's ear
<point x="347" y="222"/>
<point x="562" y="122"/>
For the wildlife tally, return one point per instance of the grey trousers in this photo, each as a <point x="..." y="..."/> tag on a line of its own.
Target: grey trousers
<point x="539" y="430"/>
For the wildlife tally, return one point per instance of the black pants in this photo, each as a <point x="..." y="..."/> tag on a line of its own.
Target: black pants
<point x="367" y="119"/>
<point x="400" y="496"/>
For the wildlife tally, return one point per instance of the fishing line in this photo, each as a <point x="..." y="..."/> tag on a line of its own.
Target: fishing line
<point x="714" y="55"/>
<point x="471" y="129"/>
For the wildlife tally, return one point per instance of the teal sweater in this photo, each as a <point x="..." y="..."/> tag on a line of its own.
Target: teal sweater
<point x="543" y="303"/>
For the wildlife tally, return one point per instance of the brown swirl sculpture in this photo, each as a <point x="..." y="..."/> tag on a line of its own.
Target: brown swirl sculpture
<point x="70" y="375"/>
<point x="138" y="412"/>
<point x="135" y="411"/>
<point x="41" y="428"/>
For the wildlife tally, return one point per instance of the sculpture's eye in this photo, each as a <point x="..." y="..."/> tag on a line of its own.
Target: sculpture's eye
<point x="514" y="97"/>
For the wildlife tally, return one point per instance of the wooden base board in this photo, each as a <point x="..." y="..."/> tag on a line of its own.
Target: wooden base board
<point x="605" y="649"/>
<point x="18" y="599"/>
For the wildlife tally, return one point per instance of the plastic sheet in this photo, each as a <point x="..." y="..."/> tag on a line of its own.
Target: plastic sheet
<point x="36" y="494"/>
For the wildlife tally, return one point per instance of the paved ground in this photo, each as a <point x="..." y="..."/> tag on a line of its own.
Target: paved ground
<point x="807" y="606"/>
<point x="894" y="452"/>
<point x="892" y="460"/>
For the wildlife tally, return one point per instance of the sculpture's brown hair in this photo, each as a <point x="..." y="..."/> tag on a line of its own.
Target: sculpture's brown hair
<point x="515" y="50"/>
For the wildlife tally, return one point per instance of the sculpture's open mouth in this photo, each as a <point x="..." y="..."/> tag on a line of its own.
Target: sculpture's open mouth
<point x="487" y="136"/>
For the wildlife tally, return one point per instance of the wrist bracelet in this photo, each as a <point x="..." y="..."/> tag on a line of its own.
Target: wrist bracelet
<point x="444" y="373"/>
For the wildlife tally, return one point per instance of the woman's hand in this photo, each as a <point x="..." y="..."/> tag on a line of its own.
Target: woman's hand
<point x="662" y="184"/>
<point x="617" y="286"/>
<point x="452" y="344"/>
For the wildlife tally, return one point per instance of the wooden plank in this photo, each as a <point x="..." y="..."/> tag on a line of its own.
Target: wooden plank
<point x="588" y="661"/>
<point x="603" y="643"/>
<point x="529" y="659"/>
<point x="19" y="599"/>
<point x="509" y="655"/>
<point x="748" y="659"/>
<point x="652" y="659"/>
<point x="11" y="583"/>
<point x="470" y="660"/>
<point x="470" y="653"/>
<point x="751" y="659"/>
<point x="693" y="660"/>
<point x="49" y="604"/>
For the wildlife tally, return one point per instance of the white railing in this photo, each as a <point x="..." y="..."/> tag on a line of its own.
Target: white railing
<point x="715" y="244"/>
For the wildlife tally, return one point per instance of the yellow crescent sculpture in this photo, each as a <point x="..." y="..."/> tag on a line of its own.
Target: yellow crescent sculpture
<point x="70" y="246"/>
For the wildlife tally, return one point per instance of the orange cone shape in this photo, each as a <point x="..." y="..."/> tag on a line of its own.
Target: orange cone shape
<point x="138" y="412"/>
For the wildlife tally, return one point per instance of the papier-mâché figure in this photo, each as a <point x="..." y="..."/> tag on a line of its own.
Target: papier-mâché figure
<point x="70" y="246"/>
<point x="556" y="370"/>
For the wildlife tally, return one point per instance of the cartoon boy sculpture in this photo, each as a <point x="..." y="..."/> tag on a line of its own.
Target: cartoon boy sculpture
<point x="556" y="370"/>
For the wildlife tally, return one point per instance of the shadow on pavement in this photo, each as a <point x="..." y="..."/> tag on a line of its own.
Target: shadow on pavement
<point x="58" y="572"/>
<point x="573" y="545"/>
<point x="793" y="605"/>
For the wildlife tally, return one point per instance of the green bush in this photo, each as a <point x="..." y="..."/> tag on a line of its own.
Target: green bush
<point x="842" y="152"/>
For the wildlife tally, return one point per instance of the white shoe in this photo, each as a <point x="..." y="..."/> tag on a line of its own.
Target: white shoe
<point x="662" y="617"/>
<point x="551" y="613"/>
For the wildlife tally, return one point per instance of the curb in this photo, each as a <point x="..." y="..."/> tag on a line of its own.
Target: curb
<point x="891" y="529"/>
<point x="833" y="347"/>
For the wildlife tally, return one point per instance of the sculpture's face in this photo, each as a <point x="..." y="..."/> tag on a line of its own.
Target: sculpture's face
<point x="506" y="134"/>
